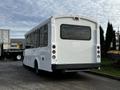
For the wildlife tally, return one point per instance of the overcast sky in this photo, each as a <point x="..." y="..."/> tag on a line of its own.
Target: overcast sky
<point x="22" y="15"/>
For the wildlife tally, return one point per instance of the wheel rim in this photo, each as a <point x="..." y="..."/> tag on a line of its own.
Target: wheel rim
<point x="19" y="57"/>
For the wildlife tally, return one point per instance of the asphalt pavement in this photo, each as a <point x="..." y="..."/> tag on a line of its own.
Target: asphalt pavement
<point x="13" y="76"/>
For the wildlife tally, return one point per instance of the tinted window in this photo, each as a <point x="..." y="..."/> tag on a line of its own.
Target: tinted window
<point x="44" y="36"/>
<point x="38" y="38"/>
<point x="75" y="32"/>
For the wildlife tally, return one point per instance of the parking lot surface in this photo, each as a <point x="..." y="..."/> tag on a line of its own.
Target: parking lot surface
<point x="13" y="76"/>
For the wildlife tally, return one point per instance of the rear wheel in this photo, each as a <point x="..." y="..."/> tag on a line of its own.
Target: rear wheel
<point x="36" y="68"/>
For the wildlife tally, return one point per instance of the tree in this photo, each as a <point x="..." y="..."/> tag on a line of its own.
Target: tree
<point x="119" y="42"/>
<point x="109" y="36"/>
<point x="101" y="36"/>
<point x="114" y="41"/>
<point x="102" y="42"/>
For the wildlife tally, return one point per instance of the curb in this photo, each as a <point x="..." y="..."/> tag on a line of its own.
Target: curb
<point x="105" y="75"/>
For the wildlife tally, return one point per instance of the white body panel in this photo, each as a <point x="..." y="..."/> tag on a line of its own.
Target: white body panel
<point x="75" y="51"/>
<point x="30" y="55"/>
<point x="67" y="51"/>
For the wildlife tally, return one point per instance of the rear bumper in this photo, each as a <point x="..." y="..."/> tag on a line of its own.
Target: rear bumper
<point x="75" y="66"/>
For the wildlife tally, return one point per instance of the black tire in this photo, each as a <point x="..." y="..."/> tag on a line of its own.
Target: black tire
<point x="36" y="70"/>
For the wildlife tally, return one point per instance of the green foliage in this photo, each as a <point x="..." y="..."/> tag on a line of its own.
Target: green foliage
<point x="109" y="37"/>
<point x="101" y="36"/>
<point x="119" y="42"/>
<point x="114" y="41"/>
<point x="102" y="42"/>
<point x="108" y="67"/>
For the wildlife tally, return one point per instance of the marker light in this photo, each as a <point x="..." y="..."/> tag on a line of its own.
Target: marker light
<point x="98" y="47"/>
<point x="76" y="18"/>
<point x="98" y="52"/>
<point x="53" y="56"/>
<point x="53" y="51"/>
<point x="98" y="56"/>
<point x="53" y="46"/>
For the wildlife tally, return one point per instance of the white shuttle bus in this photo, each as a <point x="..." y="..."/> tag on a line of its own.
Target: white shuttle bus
<point x="63" y="43"/>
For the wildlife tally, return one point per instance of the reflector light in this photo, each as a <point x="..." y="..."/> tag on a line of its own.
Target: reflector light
<point x="98" y="47"/>
<point x="98" y="51"/>
<point x="76" y="18"/>
<point x="53" y="46"/>
<point x="53" y="56"/>
<point x="53" y="51"/>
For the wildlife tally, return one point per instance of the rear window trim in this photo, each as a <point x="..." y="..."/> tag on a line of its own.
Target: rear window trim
<point x="71" y="38"/>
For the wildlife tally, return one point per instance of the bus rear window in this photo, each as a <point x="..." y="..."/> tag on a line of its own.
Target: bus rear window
<point x="75" y="32"/>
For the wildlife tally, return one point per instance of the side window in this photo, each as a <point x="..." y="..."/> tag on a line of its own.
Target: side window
<point x="44" y="36"/>
<point x="38" y="38"/>
<point x="35" y="39"/>
<point x="29" y="40"/>
<point x="41" y="36"/>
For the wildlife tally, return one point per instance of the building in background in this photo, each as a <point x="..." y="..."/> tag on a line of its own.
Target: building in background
<point x="4" y="40"/>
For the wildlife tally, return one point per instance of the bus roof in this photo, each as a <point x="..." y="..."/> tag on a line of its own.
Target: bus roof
<point x="58" y="17"/>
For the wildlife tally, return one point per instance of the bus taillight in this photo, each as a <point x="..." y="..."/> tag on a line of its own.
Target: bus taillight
<point x="53" y="51"/>
<point x="53" y="46"/>
<point x="98" y="47"/>
<point x="53" y="57"/>
<point x="98" y="51"/>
